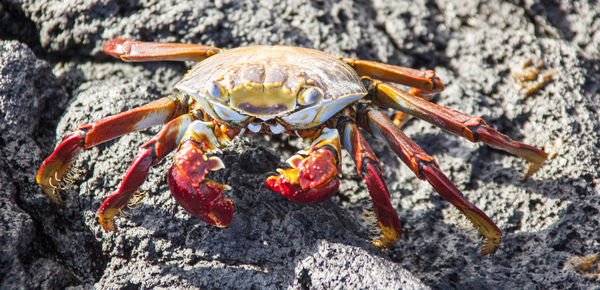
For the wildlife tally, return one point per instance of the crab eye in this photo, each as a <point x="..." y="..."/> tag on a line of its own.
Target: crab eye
<point x="310" y="96"/>
<point x="216" y="91"/>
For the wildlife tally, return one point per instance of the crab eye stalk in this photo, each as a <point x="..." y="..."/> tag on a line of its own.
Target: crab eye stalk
<point x="216" y="91"/>
<point x="310" y="96"/>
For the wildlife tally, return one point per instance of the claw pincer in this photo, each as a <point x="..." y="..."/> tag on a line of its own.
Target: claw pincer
<point x="201" y="197"/>
<point x="314" y="176"/>
<point x="311" y="179"/>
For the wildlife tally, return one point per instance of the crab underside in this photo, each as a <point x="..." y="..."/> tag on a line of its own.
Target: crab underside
<point x="301" y="92"/>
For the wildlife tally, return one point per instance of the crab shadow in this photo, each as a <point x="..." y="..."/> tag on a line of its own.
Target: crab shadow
<point x="567" y="205"/>
<point x="270" y="234"/>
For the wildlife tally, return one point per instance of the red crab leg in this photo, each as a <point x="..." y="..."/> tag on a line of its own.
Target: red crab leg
<point x="401" y="118"/>
<point x="138" y="51"/>
<point x="425" y="167"/>
<point x="199" y="196"/>
<point x="424" y="84"/>
<point x="314" y="176"/>
<point x="57" y="165"/>
<point x="472" y="128"/>
<point x="367" y="166"/>
<point x="149" y="154"/>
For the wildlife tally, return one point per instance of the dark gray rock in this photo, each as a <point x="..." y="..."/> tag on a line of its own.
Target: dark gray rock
<point x="273" y="243"/>
<point x="26" y="86"/>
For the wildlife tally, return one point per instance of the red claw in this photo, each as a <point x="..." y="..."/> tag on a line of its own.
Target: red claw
<point x="293" y="192"/>
<point x="201" y="197"/>
<point x="317" y="169"/>
<point x="313" y="179"/>
<point x="204" y="201"/>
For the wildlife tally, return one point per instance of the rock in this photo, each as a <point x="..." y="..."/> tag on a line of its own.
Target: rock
<point x="272" y="243"/>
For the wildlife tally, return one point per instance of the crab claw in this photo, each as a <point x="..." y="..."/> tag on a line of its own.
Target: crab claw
<point x="56" y="167"/>
<point x="201" y="197"/>
<point x="311" y="179"/>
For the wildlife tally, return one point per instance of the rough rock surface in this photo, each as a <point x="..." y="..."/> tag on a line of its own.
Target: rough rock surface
<point x="53" y="75"/>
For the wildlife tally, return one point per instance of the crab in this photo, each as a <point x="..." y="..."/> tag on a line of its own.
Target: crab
<point x="280" y="90"/>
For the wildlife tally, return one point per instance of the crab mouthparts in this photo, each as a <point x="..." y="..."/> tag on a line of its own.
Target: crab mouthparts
<point x="275" y="128"/>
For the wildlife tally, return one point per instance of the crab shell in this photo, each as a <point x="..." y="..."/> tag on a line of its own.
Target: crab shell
<point x="272" y="88"/>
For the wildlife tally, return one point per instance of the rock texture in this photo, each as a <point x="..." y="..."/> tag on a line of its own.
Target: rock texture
<point x="54" y="75"/>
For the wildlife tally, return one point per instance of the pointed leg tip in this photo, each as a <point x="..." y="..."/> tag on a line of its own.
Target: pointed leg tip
<point x="490" y="246"/>
<point x="56" y="170"/>
<point x="52" y="179"/>
<point x="384" y="244"/>
<point x="106" y="218"/>
<point x="492" y="238"/>
<point x="115" y="47"/>
<point x="389" y="234"/>
<point x="107" y="225"/>
<point x="532" y="169"/>
<point x="55" y="197"/>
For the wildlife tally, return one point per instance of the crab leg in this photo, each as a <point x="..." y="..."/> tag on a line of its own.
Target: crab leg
<point x="425" y="167"/>
<point x="367" y="166"/>
<point x="56" y="166"/>
<point x="149" y="154"/>
<point x="314" y="176"/>
<point x="472" y="128"/>
<point x="424" y="84"/>
<point x="139" y="51"/>
<point x="199" y="196"/>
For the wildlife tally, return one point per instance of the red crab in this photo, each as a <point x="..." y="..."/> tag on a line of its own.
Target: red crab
<point x="276" y="90"/>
